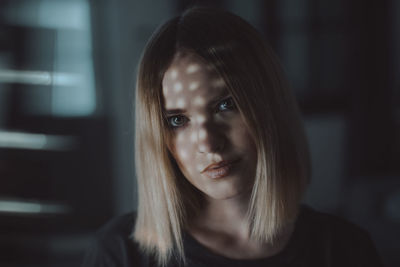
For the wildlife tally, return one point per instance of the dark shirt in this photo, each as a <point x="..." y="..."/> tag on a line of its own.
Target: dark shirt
<point x="318" y="239"/>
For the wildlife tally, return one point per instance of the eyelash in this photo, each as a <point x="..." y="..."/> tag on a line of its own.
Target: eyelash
<point x="231" y="106"/>
<point x="171" y="118"/>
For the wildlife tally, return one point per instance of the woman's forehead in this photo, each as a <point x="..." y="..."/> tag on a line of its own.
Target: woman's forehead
<point x="186" y="67"/>
<point x="189" y="78"/>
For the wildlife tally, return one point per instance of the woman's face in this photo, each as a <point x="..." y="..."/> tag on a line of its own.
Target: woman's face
<point x="210" y="141"/>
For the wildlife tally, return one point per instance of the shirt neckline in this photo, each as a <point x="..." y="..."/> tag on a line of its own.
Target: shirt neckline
<point x="197" y="252"/>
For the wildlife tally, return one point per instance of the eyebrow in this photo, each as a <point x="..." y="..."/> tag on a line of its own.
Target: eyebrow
<point x="174" y="111"/>
<point x="212" y="102"/>
<point x="219" y="97"/>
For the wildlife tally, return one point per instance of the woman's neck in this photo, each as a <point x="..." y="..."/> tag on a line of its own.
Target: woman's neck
<point x="222" y="226"/>
<point x="226" y="216"/>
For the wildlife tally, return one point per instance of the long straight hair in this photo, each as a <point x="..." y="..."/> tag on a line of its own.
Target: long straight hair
<point x="254" y="77"/>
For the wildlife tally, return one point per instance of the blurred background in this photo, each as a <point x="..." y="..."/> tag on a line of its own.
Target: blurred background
<point x="67" y="73"/>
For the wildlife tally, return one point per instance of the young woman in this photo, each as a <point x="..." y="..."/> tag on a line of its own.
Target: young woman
<point x="221" y="160"/>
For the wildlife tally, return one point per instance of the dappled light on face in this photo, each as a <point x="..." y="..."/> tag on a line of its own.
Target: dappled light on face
<point x="198" y="101"/>
<point x="202" y="134"/>
<point x="193" y="86"/>
<point x="183" y="154"/>
<point x="218" y="83"/>
<point x="170" y="102"/>
<point x="174" y="74"/>
<point x="200" y="119"/>
<point x="189" y="87"/>
<point x="178" y="87"/>
<point x="214" y="157"/>
<point x="165" y="90"/>
<point x="192" y="68"/>
<point x="202" y="148"/>
<point x="199" y="167"/>
<point x="181" y="103"/>
<point x="193" y="137"/>
<point x="180" y="138"/>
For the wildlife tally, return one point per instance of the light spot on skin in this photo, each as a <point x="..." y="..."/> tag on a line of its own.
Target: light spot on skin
<point x="200" y="119"/>
<point x="178" y="87"/>
<point x="199" y="167"/>
<point x="198" y="101"/>
<point x="193" y="137"/>
<point x="192" y="68"/>
<point x="180" y="103"/>
<point x="169" y="103"/>
<point x="217" y="157"/>
<point x="183" y="154"/>
<point x="174" y="74"/>
<point x="202" y="148"/>
<point x="180" y="138"/>
<point x="193" y="86"/>
<point x="202" y="134"/>
<point x="218" y="83"/>
<point x="165" y="90"/>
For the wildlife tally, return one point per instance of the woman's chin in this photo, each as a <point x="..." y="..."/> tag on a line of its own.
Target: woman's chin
<point x="225" y="192"/>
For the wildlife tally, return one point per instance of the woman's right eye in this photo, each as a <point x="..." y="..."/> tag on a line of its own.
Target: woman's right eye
<point x="177" y="121"/>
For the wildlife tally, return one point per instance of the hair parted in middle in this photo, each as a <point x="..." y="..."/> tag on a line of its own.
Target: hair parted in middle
<point x="253" y="76"/>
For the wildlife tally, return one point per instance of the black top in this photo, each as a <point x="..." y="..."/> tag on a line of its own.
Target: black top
<point x="318" y="239"/>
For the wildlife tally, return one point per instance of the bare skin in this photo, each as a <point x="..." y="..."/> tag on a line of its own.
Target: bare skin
<point x="217" y="155"/>
<point x="221" y="227"/>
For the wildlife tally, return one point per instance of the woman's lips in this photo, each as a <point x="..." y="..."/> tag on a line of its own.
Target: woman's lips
<point x="219" y="170"/>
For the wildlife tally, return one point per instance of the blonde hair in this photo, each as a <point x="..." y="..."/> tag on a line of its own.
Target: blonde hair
<point x="254" y="78"/>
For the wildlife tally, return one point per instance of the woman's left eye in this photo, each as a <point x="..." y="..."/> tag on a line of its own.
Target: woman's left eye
<point x="226" y="104"/>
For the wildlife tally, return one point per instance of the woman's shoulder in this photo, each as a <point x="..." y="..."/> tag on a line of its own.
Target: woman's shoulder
<point x="113" y="244"/>
<point x="323" y="223"/>
<point x="336" y="239"/>
<point x="118" y="227"/>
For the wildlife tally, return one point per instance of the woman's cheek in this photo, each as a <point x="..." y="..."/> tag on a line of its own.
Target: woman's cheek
<point x="183" y="150"/>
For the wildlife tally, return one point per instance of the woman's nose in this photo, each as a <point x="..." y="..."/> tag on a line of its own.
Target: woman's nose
<point x="209" y="138"/>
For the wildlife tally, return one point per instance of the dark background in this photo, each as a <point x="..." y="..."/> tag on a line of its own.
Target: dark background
<point x="67" y="73"/>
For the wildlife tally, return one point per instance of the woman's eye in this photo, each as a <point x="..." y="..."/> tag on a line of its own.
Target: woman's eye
<point x="177" y="121"/>
<point x="226" y="104"/>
